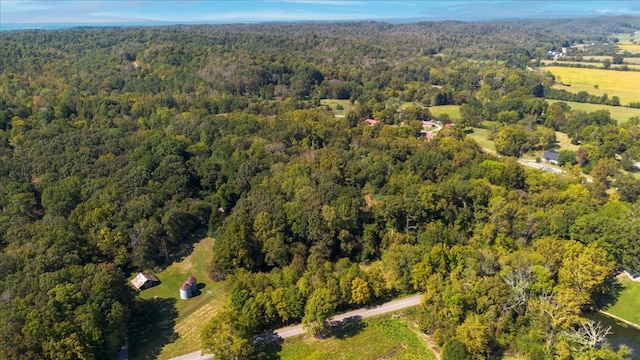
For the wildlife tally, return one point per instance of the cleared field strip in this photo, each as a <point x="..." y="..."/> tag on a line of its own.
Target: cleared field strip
<point x="619" y="113"/>
<point x="624" y="84"/>
<point x="632" y="48"/>
<point x="598" y="65"/>
<point x="627" y="60"/>
<point x="192" y="314"/>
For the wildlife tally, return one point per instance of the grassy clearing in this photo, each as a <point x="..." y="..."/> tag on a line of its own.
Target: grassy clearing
<point x="564" y="142"/>
<point x="385" y="337"/>
<point x="481" y="136"/>
<point x="188" y="316"/>
<point x="628" y="303"/>
<point x="452" y="110"/>
<point x="333" y="103"/>
<point x="632" y="48"/>
<point x="598" y="65"/>
<point x="625" y="38"/>
<point x="623" y="84"/>
<point x="619" y="113"/>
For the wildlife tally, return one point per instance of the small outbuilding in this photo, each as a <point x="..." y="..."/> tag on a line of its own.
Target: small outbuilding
<point x="550" y="156"/>
<point x="185" y="291"/>
<point x="193" y="282"/>
<point x="144" y="281"/>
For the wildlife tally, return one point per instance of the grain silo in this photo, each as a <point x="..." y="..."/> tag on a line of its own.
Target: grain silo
<point x="185" y="291"/>
<point x="194" y="284"/>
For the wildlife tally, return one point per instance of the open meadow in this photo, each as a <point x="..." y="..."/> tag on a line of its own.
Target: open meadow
<point x="335" y="104"/>
<point x="384" y="337"/>
<point x="453" y="111"/>
<point x="625" y="38"/>
<point x="178" y="321"/>
<point x="619" y="113"/>
<point x="624" y="84"/>
<point x="481" y="136"/>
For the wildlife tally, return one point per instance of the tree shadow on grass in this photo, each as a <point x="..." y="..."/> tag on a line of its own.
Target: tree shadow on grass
<point x="612" y="288"/>
<point x="348" y="327"/>
<point x="269" y="351"/>
<point x="151" y="327"/>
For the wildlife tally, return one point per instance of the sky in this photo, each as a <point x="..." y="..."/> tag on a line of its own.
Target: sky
<point x="113" y="12"/>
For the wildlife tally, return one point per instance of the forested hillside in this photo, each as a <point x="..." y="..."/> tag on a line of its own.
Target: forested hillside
<point x="118" y="144"/>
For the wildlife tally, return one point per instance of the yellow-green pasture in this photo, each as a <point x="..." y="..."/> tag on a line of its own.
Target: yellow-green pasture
<point x="624" y="84"/>
<point x="619" y="113"/>
<point x="632" y="48"/>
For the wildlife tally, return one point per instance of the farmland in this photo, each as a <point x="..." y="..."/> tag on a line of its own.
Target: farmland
<point x="632" y="48"/>
<point x="619" y="113"/>
<point x="623" y="84"/>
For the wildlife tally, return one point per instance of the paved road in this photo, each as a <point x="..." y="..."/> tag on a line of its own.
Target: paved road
<point x="541" y="166"/>
<point x="295" y="330"/>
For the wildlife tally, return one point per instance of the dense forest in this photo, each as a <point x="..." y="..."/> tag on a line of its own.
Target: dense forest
<point x="118" y="145"/>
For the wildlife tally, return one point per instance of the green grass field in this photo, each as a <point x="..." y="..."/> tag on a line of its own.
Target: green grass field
<point x="624" y="84"/>
<point x="452" y="110"/>
<point x="619" y="113"/>
<point x="385" y="337"/>
<point x="189" y="315"/>
<point x="625" y="38"/>
<point x="333" y="103"/>
<point x="481" y="136"/>
<point x="628" y="304"/>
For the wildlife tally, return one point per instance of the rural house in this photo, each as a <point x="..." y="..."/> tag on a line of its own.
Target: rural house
<point x="551" y="156"/>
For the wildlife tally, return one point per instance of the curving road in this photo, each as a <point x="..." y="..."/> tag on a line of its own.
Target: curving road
<point x="295" y="330"/>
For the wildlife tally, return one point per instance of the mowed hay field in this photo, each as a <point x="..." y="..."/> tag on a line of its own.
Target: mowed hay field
<point x="619" y="113"/>
<point x="189" y="316"/>
<point x="623" y="84"/>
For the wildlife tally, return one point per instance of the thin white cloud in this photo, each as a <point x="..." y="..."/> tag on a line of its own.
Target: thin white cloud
<point x="278" y="16"/>
<point x="325" y="2"/>
<point x="24" y="5"/>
